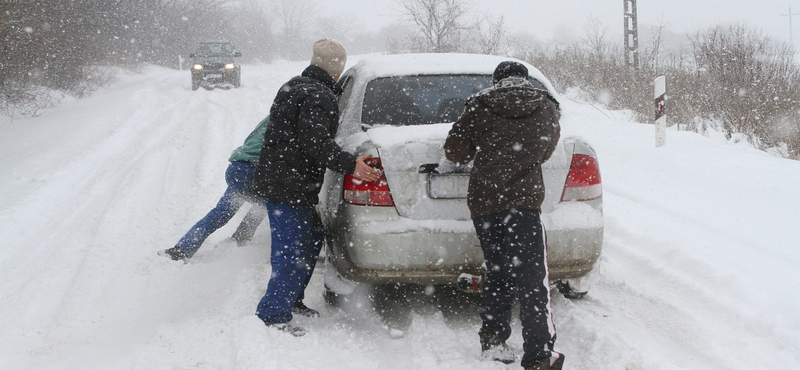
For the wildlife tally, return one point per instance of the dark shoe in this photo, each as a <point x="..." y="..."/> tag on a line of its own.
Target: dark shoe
<point x="175" y="253"/>
<point x="555" y="362"/>
<point x="496" y="350"/>
<point x="289" y="328"/>
<point x="301" y="309"/>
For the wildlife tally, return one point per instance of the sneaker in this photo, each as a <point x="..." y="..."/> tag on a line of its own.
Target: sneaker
<point x="301" y="309"/>
<point x="554" y="362"/>
<point x="499" y="352"/>
<point x="175" y="253"/>
<point x="289" y="328"/>
<point x="495" y="349"/>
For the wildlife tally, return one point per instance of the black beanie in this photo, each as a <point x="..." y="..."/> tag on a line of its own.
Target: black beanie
<point x="509" y="69"/>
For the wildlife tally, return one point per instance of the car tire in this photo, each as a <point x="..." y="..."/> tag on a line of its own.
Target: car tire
<point x="566" y="289"/>
<point x="237" y="80"/>
<point x="195" y="84"/>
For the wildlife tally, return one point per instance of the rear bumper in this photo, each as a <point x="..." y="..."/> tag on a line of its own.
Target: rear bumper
<point x="573" y="253"/>
<point x="398" y="250"/>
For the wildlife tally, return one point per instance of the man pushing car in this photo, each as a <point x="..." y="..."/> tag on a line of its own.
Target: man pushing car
<point x="509" y="130"/>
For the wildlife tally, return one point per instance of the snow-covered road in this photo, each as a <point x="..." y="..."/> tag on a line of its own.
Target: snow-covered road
<point x="699" y="268"/>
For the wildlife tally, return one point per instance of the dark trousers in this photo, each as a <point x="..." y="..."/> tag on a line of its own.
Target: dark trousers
<point x="513" y="244"/>
<point x="297" y="238"/>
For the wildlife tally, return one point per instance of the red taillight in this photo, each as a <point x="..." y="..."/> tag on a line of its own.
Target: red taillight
<point x="583" y="180"/>
<point x="362" y="193"/>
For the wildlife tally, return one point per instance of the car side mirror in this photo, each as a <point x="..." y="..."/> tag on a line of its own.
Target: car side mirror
<point x="237" y="54"/>
<point x="191" y="55"/>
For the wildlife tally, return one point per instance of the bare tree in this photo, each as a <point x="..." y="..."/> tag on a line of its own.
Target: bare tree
<point x="251" y="31"/>
<point x="490" y="34"/>
<point x="57" y="47"/>
<point x="651" y="57"/>
<point x="595" y="35"/>
<point x="295" y="18"/>
<point x="342" y="29"/>
<point x="439" y="21"/>
<point x="750" y="80"/>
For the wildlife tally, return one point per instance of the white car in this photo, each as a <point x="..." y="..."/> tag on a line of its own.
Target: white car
<point x="413" y="226"/>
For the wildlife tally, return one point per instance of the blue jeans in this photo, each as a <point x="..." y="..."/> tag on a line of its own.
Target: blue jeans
<point x="297" y="238"/>
<point x="513" y="244"/>
<point x="239" y="177"/>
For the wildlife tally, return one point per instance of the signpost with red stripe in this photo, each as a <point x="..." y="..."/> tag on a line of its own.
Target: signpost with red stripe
<point x="661" y="115"/>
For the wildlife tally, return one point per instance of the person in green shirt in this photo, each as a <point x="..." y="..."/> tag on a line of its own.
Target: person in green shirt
<point x="239" y="177"/>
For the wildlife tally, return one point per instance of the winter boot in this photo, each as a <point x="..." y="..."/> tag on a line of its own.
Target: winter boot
<point x="175" y="253"/>
<point x="288" y="328"/>
<point x="554" y="362"/>
<point x="496" y="350"/>
<point x="301" y="309"/>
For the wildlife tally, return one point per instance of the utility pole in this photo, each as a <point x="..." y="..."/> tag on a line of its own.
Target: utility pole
<point x="791" y="39"/>
<point x="631" y="34"/>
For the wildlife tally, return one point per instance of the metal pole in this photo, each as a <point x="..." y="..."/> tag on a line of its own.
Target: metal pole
<point x="631" y="34"/>
<point x="791" y="30"/>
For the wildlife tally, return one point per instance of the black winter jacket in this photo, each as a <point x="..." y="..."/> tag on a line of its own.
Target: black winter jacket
<point x="298" y="145"/>
<point x="510" y="129"/>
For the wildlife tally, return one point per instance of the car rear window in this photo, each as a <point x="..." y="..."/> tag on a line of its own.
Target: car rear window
<point x="417" y="100"/>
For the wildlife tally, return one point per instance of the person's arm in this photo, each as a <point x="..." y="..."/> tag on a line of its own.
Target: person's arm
<point x="556" y="133"/>
<point x="313" y="131"/>
<point x="459" y="146"/>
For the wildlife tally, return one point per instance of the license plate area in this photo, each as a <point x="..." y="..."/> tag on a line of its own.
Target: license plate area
<point x="448" y="186"/>
<point x="213" y="75"/>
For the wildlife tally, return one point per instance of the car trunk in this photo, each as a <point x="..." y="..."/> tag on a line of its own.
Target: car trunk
<point x="425" y="186"/>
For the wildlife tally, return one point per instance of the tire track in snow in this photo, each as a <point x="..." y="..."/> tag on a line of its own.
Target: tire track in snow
<point x="648" y="289"/>
<point x="83" y="199"/>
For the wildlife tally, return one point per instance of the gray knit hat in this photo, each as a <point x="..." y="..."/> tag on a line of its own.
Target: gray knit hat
<point x="330" y="56"/>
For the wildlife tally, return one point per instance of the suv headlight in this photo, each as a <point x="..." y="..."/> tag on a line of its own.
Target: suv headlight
<point x="198" y="67"/>
<point x="228" y="65"/>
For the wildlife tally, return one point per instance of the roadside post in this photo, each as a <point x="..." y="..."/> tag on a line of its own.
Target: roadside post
<point x="661" y="116"/>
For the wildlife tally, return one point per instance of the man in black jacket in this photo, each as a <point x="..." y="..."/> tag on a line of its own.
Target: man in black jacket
<point x="298" y="147"/>
<point x="510" y="129"/>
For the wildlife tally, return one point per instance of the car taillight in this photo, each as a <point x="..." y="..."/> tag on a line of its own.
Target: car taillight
<point x="583" y="180"/>
<point x="362" y="193"/>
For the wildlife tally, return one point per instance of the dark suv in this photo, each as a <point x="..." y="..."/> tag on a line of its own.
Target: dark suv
<point x="215" y="65"/>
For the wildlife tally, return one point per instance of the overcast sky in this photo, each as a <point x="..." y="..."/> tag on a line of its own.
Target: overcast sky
<point x="555" y="18"/>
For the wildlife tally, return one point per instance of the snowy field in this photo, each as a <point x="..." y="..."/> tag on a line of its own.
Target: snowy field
<point x="700" y="267"/>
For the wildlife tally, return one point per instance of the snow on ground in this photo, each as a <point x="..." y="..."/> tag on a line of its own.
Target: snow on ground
<point x="699" y="268"/>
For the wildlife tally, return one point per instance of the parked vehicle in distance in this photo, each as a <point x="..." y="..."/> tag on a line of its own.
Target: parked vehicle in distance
<point x="413" y="225"/>
<point x="214" y="65"/>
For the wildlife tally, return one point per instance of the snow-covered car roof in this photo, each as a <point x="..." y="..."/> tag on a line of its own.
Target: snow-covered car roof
<point x="373" y="66"/>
